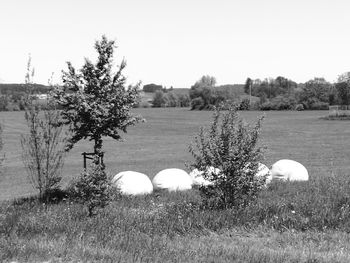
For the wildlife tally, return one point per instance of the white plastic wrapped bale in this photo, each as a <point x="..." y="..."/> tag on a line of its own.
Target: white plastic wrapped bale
<point x="289" y="170"/>
<point x="263" y="170"/>
<point x="172" y="179"/>
<point x="132" y="183"/>
<point x="198" y="178"/>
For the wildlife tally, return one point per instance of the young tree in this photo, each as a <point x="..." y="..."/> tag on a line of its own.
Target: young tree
<point x="95" y="101"/>
<point x="92" y="188"/>
<point x="247" y="85"/>
<point x="343" y="88"/>
<point x="230" y="145"/>
<point x="158" y="99"/>
<point x="43" y="147"/>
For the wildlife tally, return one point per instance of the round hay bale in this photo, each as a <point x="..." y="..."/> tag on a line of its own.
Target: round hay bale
<point x="172" y="179"/>
<point x="289" y="170"/>
<point x="132" y="183"/>
<point x="263" y="170"/>
<point x="198" y="178"/>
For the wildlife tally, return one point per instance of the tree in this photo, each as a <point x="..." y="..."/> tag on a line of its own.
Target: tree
<point x="43" y="147"/>
<point x="230" y="145"/>
<point x="92" y="188"/>
<point x="247" y="85"/>
<point x="152" y="87"/>
<point x="315" y="91"/>
<point x="95" y="101"/>
<point x="204" y="89"/>
<point x="343" y="88"/>
<point x="343" y="92"/>
<point x="158" y="99"/>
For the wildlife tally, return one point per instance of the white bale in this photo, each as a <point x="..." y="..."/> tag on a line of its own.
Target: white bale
<point x="263" y="170"/>
<point x="289" y="170"/>
<point x="132" y="183"/>
<point x="198" y="178"/>
<point x="172" y="179"/>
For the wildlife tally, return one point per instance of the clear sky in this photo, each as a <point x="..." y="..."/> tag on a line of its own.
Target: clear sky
<point x="175" y="42"/>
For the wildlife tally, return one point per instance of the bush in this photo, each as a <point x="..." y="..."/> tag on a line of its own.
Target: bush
<point x="229" y="144"/>
<point x="267" y="106"/>
<point x="299" y="107"/>
<point x="319" y="106"/>
<point x="184" y="100"/>
<point x="197" y="104"/>
<point x="158" y="99"/>
<point x="279" y="103"/>
<point x="245" y="104"/>
<point x="43" y="149"/>
<point x="92" y="188"/>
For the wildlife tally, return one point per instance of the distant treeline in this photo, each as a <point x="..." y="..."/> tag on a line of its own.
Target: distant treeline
<point x="268" y="94"/>
<point x="12" y="96"/>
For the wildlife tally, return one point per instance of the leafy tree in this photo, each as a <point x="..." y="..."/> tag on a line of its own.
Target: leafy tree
<point x="92" y="188"/>
<point x="184" y="100"/>
<point x="95" y="101"/>
<point x="158" y="99"/>
<point x="315" y="91"/>
<point x="152" y="87"/>
<point x="43" y="149"/>
<point x="171" y="100"/>
<point x="270" y="88"/>
<point x="230" y="145"/>
<point x="343" y="88"/>
<point x="244" y="104"/>
<point x="343" y="91"/>
<point x="209" y="96"/>
<point x="247" y="85"/>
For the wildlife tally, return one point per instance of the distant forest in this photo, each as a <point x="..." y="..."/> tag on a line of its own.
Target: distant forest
<point x="269" y="94"/>
<point x="12" y="95"/>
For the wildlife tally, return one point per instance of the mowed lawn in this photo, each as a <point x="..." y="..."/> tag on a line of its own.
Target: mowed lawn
<point x="162" y="142"/>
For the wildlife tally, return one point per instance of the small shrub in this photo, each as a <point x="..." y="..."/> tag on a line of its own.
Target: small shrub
<point x="244" y="105"/>
<point x="319" y="106"/>
<point x="92" y="188"/>
<point x="43" y="149"/>
<point x="197" y="104"/>
<point x="231" y="145"/>
<point x="299" y="107"/>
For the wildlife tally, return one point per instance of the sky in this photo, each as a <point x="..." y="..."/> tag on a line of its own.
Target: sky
<point x="175" y="42"/>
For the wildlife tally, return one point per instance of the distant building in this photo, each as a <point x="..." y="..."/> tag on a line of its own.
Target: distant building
<point x="42" y="96"/>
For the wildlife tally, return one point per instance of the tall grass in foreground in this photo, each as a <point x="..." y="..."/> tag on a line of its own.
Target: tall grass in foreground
<point x="289" y="222"/>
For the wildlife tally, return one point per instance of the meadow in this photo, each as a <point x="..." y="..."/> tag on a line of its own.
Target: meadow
<point x="162" y="142"/>
<point x="290" y="222"/>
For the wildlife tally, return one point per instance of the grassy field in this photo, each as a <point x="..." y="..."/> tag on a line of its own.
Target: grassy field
<point x="289" y="222"/>
<point x="162" y="142"/>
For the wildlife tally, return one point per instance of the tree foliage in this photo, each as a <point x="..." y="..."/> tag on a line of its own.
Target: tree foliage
<point x="43" y="149"/>
<point x="315" y="91"/>
<point x="95" y="101"/>
<point x="92" y="188"/>
<point x="343" y="88"/>
<point x="158" y="99"/>
<point x="204" y="95"/>
<point x="231" y="145"/>
<point x="152" y="87"/>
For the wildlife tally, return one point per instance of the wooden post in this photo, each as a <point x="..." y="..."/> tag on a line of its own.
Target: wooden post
<point x="87" y="156"/>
